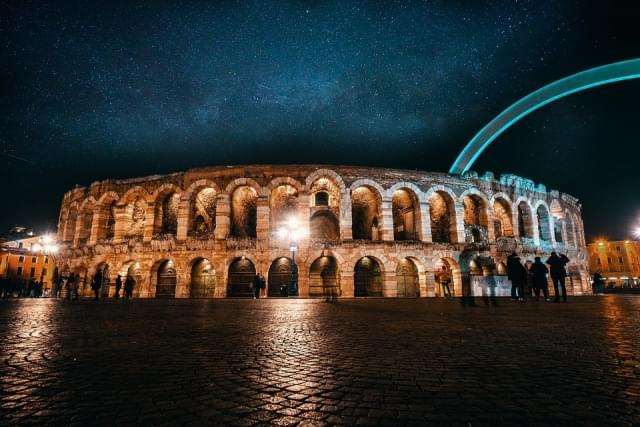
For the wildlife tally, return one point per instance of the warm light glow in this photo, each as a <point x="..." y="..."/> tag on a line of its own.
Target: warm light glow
<point x="637" y="232"/>
<point x="36" y="247"/>
<point x="46" y="239"/>
<point x="282" y="233"/>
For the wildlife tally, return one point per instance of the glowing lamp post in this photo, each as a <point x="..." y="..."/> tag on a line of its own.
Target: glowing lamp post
<point x="292" y="231"/>
<point x="45" y="245"/>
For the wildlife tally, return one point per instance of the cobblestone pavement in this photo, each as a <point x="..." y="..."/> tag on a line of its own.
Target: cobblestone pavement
<point x="306" y="362"/>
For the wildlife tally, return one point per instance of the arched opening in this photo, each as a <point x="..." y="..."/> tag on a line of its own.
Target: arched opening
<point x="544" y="229"/>
<point x="324" y="278"/>
<point x="324" y="226"/>
<point x="475" y="219"/>
<point x="525" y="220"/>
<point x="244" y="212"/>
<point x="502" y="222"/>
<point x="365" y="213"/>
<point x="321" y="198"/>
<point x="501" y="269"/>
<point x="558" y="221"/>
<point x="571" y="232"/>
<point x="203" y="279"/>
<point x="166" y="214"/>
<point x="83" y="282"/>
<point x="134" y="270"/>
<point x="70" y="224"/>
<point x="279" y="277"/>
<point x="283" y="206"/>
<point x="443" y="217"/>
<point x="367" y="279"/>
<point x="203" y="214"/>
<point x="135" y="218"/>
<point x="85" y="221"/>
<point x="166" y="284"/>
<point x="452" y="269"/>
<point x="106" y="282"/>
<point x="406" y="211"/>
<point x="407" y="279"/>
<point x="242" y="273"/>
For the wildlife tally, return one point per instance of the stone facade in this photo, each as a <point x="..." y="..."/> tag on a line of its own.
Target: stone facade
<point x="371" y="232"/>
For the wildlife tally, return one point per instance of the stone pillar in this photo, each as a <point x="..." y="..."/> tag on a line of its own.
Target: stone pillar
<point x="346" y="284"/>
<point x="458" y="223"/>
<point x="183" y="220"/>
<point x="149" y="222"/>
<point x="386" y="219"/>
<point x="96" y="221"/>
<point x="262" y="221"/>
<point x="425" y="222"/>
<point x="515" y="224"/>
<point x="430" y="286"/>
<point x="223" y="217"/>
<point x="491" y="228"/>
<point x="122" y="223"/>
<point x="78" y="229"/>
<point x="304" y="218"/>
<point x="345" y="218"/>
<point x="536" y="229"/>
<point x="389" y="284"/>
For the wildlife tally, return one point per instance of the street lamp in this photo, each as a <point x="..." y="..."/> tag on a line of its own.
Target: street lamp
<point x="292" y="231"/>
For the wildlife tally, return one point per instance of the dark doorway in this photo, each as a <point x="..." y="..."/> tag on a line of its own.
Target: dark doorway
<point x="166" y="287"/>
<point x="323" y="278"/>
<point x="368" y="278"/>
<point x="407" y="279"/>
<point x="279" y="274"/>
<point x="241" y="276"/>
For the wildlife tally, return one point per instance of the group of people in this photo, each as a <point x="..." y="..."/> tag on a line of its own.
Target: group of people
<point x="31" y="288"/>
<point x="99" y="280"/>
<point x="259" y="283"/>
<point x="525" y="280"/>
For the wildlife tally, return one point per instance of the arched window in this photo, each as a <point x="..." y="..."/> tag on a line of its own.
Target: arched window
<point x="244" y="212"/>
<point x="365" y="210"/>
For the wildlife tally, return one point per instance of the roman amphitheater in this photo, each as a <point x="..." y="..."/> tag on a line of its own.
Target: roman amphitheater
<point x="363" y="232"/>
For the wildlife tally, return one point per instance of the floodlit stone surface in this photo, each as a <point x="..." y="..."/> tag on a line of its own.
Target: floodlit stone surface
<point x="390" y="220"/>
<point x="305" y="362"/>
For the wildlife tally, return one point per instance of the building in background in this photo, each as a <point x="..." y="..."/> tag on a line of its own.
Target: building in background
<point x="30" y="257"/>
<point x="617" y="261"/>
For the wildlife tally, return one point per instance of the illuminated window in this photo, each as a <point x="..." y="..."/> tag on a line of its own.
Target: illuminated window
<point x="33" y="259"/>
<point x="21" y="259"/>
<point x="620" y="259"/>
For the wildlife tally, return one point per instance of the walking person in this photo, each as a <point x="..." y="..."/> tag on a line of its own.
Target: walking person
<point x="539" y="272"/>
<point x="255" y="286"/>
<point x="444" y="277"/>
<point x="558" y="274"/>
<point x="598" y="283"/>
<point x="96" y="284"/>
<point x="128" y="287"/>
<point x="118" y="286"/>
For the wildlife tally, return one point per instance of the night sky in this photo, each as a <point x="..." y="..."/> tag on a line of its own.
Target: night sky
<point x="95" y="90"/>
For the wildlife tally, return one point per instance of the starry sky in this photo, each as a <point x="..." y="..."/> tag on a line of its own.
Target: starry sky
<point x="95" y="90"/>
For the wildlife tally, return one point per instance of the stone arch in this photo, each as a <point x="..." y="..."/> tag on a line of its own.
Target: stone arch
<point x="70" y="222"/>
<point x="241" y="274"/>
<point x="202" y="204"/>
<point x="544" y="221"/>
<point x="454" y="270"/>
<point x="285" y="180"/>
<point x="134" y="193"/>
<point x="502" y="215"/>
<point x="85" y="220"/>
<point x="134" y="269"/>
<point x="501" y="269"/>
<point x="525" y="218"/>
<point x="442" y="211"/>
<point x="366" y="212"/>
<point x="407" y="278"/>
<point x="283" y="205"/>
<point x="166" y="204"/>
<point x="405" y="209"/>
<point x="83" y="280"/>
<point x="324" y="225"/>
<point x="203" y="278"/>
<point x="105" y="213"/>
<point x="279" y="275"/>
<point x="368" y="277"/>
<point x="475" y="215"/>
<point x="164" y="276"/>
<point x="324" y="277"/>
<point x="325" y="173"/>
<point x="106" y="279"/>
<point x="243" y="182"/>
<point x="198" y="185"/>
<point x="244" y="212"/>
<point x="557" y="215"/>
<point x="571" y="229"/>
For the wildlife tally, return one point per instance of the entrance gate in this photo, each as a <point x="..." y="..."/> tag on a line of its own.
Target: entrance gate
<point x="241" y="276"/>
<point x="203" y="280"/>
<point x="367" y="278"/>
<point x="407" y="279"/>
<point x="279" y="274"/>
<point x="166" y="287"/>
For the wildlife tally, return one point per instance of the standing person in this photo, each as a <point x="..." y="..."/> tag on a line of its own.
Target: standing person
<point x="128" y="287"/>
<point x="522" y="276"/>
<point x="118" y="286"/>
<point x="263" y="283"/>
<point x="513" y="274"/>
<point x="255" y="286"/>
<point x="539" y="272"/>
<point x="444" y="277"/>
<point x="558" y="274"/>
<point x="598" y="283"/>
<point x="96" y="284"/>
<point x="71" y="281"/>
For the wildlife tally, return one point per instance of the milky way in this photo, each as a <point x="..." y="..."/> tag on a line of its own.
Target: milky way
<point x="110" y="90"/>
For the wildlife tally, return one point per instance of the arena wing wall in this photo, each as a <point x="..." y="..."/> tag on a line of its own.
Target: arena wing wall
<point x="370" y="232"/>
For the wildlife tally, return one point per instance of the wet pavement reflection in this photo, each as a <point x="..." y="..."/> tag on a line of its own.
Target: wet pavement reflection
<point x="305" y="362"/>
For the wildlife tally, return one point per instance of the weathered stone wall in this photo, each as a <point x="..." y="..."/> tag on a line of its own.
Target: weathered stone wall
<point x="405" y="223"/>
